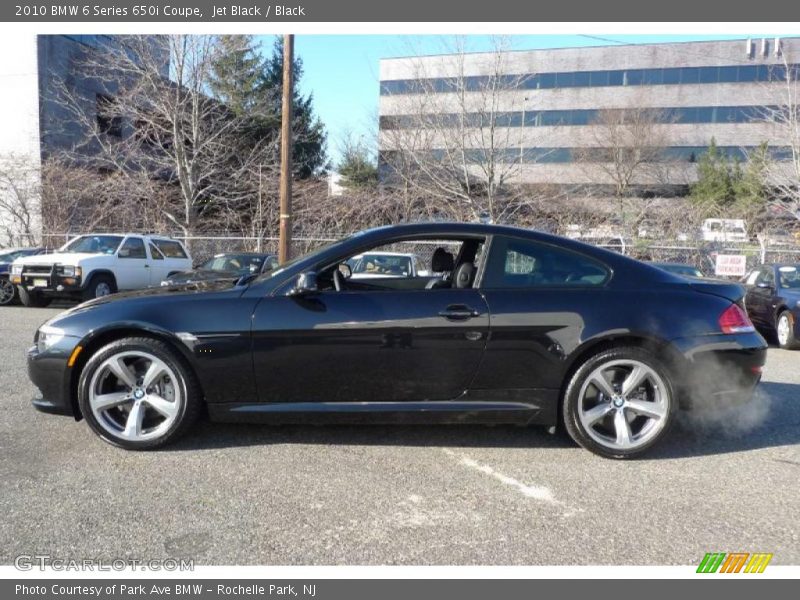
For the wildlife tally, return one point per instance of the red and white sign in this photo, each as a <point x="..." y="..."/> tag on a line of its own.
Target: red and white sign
<point x="731" y="265"/>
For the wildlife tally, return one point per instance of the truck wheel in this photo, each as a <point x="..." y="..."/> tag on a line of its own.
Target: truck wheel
<point x="33" y="298"/>
<point x="99" y="286"/>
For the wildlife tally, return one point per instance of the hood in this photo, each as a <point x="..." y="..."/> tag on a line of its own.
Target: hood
<point x="151" y="292"/>
<point x="203" y="275"/>
<point x="62" y="258"/>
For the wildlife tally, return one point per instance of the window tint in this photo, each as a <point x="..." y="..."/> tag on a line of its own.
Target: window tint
<point x="170" y="248"/>
<point x="132" y="248"/>
<point x="517" y="263"/>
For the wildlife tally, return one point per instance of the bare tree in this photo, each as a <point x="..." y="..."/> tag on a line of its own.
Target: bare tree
<point x="19" y="199"/>
<point x="461" y="139"/>
<point x="783" y="171"/>
<point x="627" y="146"/>
<point x="167" y="125"/>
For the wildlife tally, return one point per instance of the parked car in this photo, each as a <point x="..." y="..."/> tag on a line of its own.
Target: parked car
<point x="94" y="265"/>
<point x="8" y="292"/>
<point x="773" y="294"/>
<point x="724" y="230"/>
<point x="385" y="264"/>
<point x="680" y="269"/>
<point x="228" y="266"/>
<point x="540" y="330"/>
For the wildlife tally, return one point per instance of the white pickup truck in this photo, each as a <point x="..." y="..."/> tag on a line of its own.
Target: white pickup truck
<point x="95" y="265"/>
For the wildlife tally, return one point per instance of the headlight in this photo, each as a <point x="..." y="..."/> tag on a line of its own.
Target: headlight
<point x="16" y="269"/>
<point x="70" y="271"/>
<point x="48" y="337"/>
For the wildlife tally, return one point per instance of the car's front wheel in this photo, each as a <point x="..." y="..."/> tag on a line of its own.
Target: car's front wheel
<point x="32" y="298"/>
<point x="785" y="331"/>
<point x="620" y="402"/>
<point x="99" y="286"/>
<point x="138" y="393"/>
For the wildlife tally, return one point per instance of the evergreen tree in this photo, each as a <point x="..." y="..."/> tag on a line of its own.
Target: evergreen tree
<point x="236" y="71"/>
<point x="357" y="168"/>
<point x="309" y="155"/>
<point x="714" y="187"/>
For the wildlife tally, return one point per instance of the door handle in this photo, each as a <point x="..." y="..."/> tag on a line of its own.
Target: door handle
<point x="459" y="312"/>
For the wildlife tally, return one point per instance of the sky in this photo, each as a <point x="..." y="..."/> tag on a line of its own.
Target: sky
<point x="341" y="71"/>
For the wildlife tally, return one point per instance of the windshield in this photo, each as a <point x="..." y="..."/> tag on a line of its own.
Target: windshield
<point x="281" y="268"/>
<point x="241" y="263"/>
<point x="790" y="277"/>
<point x="381" y="264"/>
<point x="94" y="244"/>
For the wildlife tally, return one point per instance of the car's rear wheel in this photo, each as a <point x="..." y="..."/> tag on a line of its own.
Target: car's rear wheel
<point x="785" y="331"/>
<point x="33" y="298"/>
<point x="8" y="292"/>
<point x="620" y="402"/>
<point x="138" y="393"/>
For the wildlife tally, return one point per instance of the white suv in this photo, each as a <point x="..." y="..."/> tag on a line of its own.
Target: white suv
<point x="95" y="265"/>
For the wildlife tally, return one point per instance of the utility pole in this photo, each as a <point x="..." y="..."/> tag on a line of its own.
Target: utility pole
<point x="285" y="239"/>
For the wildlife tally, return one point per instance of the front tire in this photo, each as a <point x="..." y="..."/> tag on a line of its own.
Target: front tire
<point x="99" y="286"/>
<point x="32" y="298"/>
<point x="138" y="394"/>
<point x="784" y="330"/>
<point x="620" y="403"/>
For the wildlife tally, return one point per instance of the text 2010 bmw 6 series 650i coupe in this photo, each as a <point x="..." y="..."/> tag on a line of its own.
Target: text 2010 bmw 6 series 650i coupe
<point x="506" y="326"/>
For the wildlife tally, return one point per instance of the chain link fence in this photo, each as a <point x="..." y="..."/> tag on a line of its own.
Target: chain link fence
<point x="697" y="253"/>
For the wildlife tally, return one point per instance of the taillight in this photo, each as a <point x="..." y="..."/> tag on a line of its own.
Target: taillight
<point x="735" y="320"/>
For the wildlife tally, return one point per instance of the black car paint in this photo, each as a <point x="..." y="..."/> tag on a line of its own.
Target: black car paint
<point x="765" y="304"/>
<point x="261" y="353"/>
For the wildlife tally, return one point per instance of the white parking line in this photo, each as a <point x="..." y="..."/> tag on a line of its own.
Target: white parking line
<point x="537" y="492"/>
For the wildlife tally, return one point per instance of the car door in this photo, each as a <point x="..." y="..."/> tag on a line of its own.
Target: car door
<point x="132" y="270"/>
<point x="158" y="265"/>
<point x="365" y="346"/>
<point x="176" y="258"/>
<point x="540" y="298"/>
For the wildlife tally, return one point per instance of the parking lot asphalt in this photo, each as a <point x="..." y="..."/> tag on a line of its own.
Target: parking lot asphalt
<point x="247" y="494"/>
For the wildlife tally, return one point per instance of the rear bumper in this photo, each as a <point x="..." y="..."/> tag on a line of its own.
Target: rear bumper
<point x="720" y="370"/>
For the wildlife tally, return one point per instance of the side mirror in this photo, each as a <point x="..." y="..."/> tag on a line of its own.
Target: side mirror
<point x="306" y="283"/>
<point x="764" y="285"/>
<point x="345" y="270"/>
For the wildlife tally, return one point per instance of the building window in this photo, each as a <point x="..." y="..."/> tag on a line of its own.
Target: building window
<point x="107" y="122"/>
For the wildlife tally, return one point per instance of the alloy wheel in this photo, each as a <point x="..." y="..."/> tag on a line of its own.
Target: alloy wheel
<point x="135" y="396"/>
<point x="623" y="404"/>
<point x="784" y="330"/>
<point x="6" y="292"/>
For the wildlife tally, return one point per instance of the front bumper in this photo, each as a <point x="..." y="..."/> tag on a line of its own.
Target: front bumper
<point x="49" y="283"/>
<point x="720" y="370"/>
<point x="49" y="372"/>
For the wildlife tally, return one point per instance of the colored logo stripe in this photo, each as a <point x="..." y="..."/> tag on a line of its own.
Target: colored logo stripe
<point x="734" y="562"/>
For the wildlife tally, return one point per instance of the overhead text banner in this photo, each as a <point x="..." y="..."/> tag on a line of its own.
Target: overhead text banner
<point x="466" y="11"/>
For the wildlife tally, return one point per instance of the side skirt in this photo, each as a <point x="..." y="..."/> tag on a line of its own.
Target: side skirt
<point x="540" y="407"/>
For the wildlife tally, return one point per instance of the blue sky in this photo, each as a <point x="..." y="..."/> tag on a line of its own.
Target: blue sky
<point x="342" y="70"/>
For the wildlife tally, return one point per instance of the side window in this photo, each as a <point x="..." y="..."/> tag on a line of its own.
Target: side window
<point x="132" y="248"/>
<point x="767" y="276"/>
<point x="517" y="263"/>
<point x="155" y="252"/>
<point x="170" y="248"/>
<point x="753" y="277"/>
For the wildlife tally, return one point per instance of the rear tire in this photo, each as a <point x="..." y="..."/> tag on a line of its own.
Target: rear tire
<point x="33" y="298"/>
<point x="99" y="286"/>
<point x="620" y="403"/>
<point x="139" y="394"/>
<point x="784" y="331"/>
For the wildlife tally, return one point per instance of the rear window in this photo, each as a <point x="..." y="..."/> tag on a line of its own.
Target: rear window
<point x="170" y="248"/>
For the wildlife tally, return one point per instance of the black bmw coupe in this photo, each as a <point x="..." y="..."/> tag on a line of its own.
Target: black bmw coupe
<point x="506" y="326"/>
